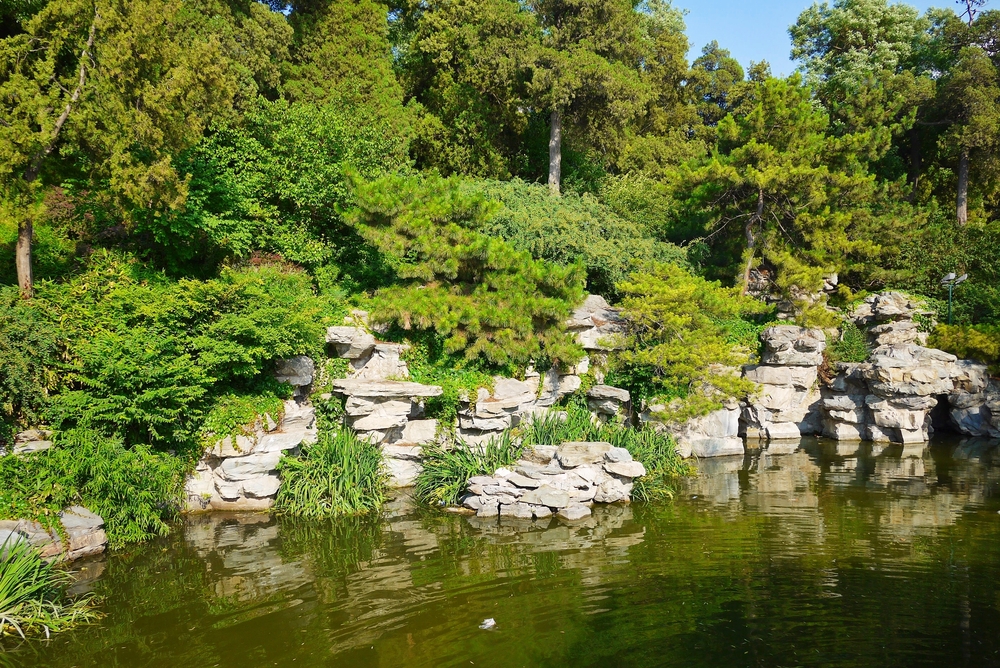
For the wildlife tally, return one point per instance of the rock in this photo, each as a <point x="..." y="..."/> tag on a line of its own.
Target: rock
<point x="607" y="400"/>
<point x="85" y="531"/>
<point x="517" y="510"/>
<point x="523" y="481"/>
<point x="573" y="513"/>
<point x="787" y="345"/>
<point x="489" y="508"/>
<point x="350" y="342"/>
<point x="296" y="371"/>
<point x="708" y="434"/>
<point x="28" y="447"/>
<point x="420" y="432"/>
<point x="891" y="333"/>
<point x="413" y="453"/>
<point x="595" y="324"/>
<point x="262" y="487"/>
<point x="800" y="377"/>
<point x="611" y="491"/>
<point x="384" y="389"/>
<point x="384" y="362"/>
<point x="402" y="472"/>
<point x="717" y="447"/>
<point x="625" y="469"/>
<point x="375" y="422"/>
<point x="541" y="512"/>
<point x="555" y="386"/>
<point x="777" y="431"/>
<point x="541" y="454"/>
<point x="546" y="496"/>
<point x="618" y="455"/>
<point x="579" y="453"/>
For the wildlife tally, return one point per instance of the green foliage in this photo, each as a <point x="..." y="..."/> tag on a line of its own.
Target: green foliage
<point x="656" y="451"/>
<point x="489" y="301"/>
<point x="28" y="347"/>
<point x="850" y="346"/>
<point x="136" y="491"/>
<point x="148" y="356"/>
<point x="447" y="471"/>
<point x="675" y="349"/>
<point x="237" y="413"/>
<point x="273" y="181"/>
<point x="340" y="474"/>
<point x="32" y="597"/>
<point x="573" y="229"/>
<point x="979" y="342"/>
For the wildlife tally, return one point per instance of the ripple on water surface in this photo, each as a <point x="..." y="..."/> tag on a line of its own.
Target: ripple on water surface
<point x="825" y="555"/>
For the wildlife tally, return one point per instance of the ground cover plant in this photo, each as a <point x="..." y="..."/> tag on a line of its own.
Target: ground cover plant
<point x="447" y="469"/>
<point x="32" y="597"/>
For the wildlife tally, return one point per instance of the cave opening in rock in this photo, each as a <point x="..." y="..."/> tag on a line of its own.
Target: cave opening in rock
<point x="940" y="416"/>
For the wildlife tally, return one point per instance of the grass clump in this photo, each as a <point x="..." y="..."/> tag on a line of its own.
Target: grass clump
<point x="656" y="451"/>
<point x="32" y="597"/>
<point x="338" y="475"/>
<point x="447" y="471"/>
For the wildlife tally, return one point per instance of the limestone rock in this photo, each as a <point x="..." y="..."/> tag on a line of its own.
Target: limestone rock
<point x="546" y="496"/>
<point x="787" y="345"/>
<point x="625" y="469"/>
<point x="579" y="453"/>
<point x="618" y="455"/>
<point x="296" y="371"/>
<point x="574" y="513"/>
<point x="611" y="491"/>
<point x="402" y="472"/>
<point x="384" y="362"/>
<point x="420" y="431"/>
<point x="351" y="342"/>
<point x="384" y="389"/>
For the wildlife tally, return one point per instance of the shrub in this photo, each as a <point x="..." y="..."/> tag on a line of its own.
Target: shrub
<point x="28" y="347"/>
<point x="979" y="342"/>
<point x="489" y="302"/>
<point x="573" y="229"/>
<point x="447" y="471"/>
<point x="338" y="475"/>
<point x="148" y="357"/>
<point x="850" y="346"/>
<point x="32" y="598"/>
<point x="136" y="491"/>
<point x="675" y="349"/>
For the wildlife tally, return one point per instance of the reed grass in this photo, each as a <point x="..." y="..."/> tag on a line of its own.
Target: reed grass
<point x="32" y="594"/>
<point x="340" y="474"/>
<point x="447" y="470"/>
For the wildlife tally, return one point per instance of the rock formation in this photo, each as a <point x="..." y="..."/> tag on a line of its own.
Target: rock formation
<point x="564" y="481"/>
<point x="82" y="529"/>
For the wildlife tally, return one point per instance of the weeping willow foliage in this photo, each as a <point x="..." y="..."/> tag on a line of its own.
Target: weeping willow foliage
<point x="32" y="598"/>
<point x="338" y="475"/>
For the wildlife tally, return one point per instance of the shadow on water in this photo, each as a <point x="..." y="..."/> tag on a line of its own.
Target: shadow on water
<point x="817" y="553"/>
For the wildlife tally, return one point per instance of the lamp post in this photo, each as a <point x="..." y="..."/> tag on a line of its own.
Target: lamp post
<point x="951" y="281"/>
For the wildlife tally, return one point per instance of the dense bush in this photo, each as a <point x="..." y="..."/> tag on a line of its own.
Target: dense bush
<point x="676" y="350"/>
<point x="148" y="356"/>
<point x="338" y="475"/>
<point x="978" y="342"/>
<point x="488" y="300"/>
<point x="573" y="229"/>
<point x="135" y="490"/>
<point x="28" y="348"/>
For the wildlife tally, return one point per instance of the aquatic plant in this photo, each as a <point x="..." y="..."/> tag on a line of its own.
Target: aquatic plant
<point x="32" y="596"/>
<point x="447" y="470"/>
<point x="338" y="475"/>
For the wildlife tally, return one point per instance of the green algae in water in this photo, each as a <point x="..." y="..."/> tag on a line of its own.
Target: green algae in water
<point x="831" y="555"/>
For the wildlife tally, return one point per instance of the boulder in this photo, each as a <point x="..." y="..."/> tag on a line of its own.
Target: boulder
<point x="555" y="386"/>
<point x="579" y="453"/>
<point x="625" y="469"/>
<point x="384" y="389"/>
<point x="420" y="432"/>
<point x="403" y="472"/>
<point x="573" y="513"/>
<point x="618" y="455"/>
<point x="612" y="491"/>
<point x="787" y="345"/>
<point x="546" y="495"/>
<point x="517" y="510"/>
<point x="296" y="371"/>
<point x="350" y="342"/>
<point x="384" y="362"/>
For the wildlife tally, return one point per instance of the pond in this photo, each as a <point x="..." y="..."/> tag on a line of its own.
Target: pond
<point x="820" y="555"/>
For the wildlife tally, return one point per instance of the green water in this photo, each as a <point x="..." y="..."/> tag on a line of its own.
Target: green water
<point x="827" y="556"/>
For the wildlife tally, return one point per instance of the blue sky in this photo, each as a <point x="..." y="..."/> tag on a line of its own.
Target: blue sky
<point x="753" y="30"/>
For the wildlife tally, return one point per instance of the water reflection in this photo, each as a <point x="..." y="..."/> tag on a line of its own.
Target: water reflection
<point x="820" y="553"/>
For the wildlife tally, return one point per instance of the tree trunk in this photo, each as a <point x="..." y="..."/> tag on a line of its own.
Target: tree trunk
<point x="22" y="259"/>
<point x="915" y="160"/>
<point x="555" y="152"/>
<point x="962" y="201"/>
<point x="751" y="242"/>
<point x="25" y="278"/>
